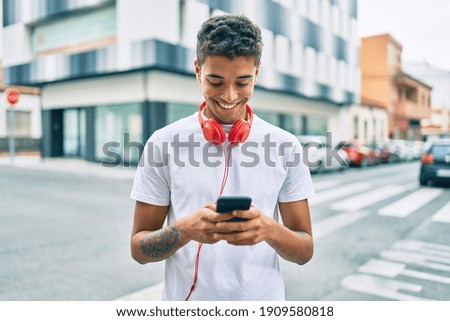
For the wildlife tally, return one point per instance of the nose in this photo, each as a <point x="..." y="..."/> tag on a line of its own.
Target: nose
<point x="230" y="94"/>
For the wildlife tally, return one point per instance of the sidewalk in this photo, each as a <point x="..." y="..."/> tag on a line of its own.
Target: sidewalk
<point x="68" y="165"/>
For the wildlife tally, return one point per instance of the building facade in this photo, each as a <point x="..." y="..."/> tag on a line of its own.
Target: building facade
<point x="368" y="123"/>
<point x="115" y="71"/>
<point x="383" y="82"/>
<point x="26" y="121"/>
<point x="438" y="126"/>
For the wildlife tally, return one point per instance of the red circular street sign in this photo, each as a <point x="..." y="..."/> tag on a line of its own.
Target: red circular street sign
<point x="12" y="95"/>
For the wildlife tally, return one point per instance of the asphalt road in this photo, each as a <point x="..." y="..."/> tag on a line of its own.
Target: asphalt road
<point x="66" y="237"/>
<point x="378" y="236"/>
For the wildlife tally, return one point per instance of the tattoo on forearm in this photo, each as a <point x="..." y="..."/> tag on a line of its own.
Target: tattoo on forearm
<point x="160" y="243"/>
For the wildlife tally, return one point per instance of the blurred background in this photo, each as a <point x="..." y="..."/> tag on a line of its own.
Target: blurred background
<point x="374" y="74"/>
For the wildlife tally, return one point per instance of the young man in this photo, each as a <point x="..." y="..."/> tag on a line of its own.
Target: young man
<point x="186" y="166"/>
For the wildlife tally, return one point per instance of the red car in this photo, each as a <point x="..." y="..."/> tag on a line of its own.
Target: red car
<point x="360" y="155"/>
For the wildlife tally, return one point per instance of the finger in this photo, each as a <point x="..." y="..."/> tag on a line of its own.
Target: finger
<point x="233" y="236"/>
<point x="247" y="214"/>
<point x="216" y="217"/>
<point x="242" y="243"/>
<point x="211" y="206"/>
<point x="234" y="226"/>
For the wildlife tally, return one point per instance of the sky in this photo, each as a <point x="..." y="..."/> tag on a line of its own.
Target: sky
<point x="421" y="26"/>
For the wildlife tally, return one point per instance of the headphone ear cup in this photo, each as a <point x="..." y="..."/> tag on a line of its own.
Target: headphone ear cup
<point x="213" y="131"/>
<point x="239" y="132"/>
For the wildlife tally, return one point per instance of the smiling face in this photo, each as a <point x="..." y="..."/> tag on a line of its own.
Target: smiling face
<point x="227" y="86"/>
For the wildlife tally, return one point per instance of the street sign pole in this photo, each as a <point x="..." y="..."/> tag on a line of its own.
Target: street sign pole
<point x="12" y="134"/>
<point x="12" y="97"/>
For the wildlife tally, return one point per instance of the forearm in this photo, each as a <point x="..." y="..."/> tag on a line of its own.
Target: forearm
<point x="291" y="245"/>
<point x="154" y="246"/>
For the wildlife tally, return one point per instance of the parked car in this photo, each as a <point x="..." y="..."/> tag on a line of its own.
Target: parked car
<point x="383" y="153"/>
<point x="398" y="150"/>
<point x="318" y="154"/>
<point x="417" y="148"/>
<point x="360" y="155"/>
<point x="404" y="150"/>
<point x="436" y="163"/>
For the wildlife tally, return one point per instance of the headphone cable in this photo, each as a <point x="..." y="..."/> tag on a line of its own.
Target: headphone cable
<point x="227" y="157"/>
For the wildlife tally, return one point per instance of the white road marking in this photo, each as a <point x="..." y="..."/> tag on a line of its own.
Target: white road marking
<point x="341" y="191"/>
<point x="410" y="203"/>
<point x="443" y="215"/>
<point x="418" y="259"/>
<point x="392" y="270"/>
<point x="152" y="293"/>
<point x="382" y="287"/>
<point x="336" y="222"/>
<point x="423" y="247"/>
<point x="369" y="198"/>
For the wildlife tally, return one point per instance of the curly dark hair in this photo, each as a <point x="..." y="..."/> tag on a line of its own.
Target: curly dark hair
<point x="230" y="36"/>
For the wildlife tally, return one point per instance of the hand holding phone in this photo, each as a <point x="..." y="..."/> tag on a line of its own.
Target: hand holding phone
<point x="227" y="204"/>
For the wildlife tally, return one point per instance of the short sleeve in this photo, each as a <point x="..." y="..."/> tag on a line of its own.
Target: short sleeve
<point x="298" y="183"/>
<point x="151" y="183"/>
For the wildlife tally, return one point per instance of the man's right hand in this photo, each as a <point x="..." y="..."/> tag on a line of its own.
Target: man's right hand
<point x="200" y="226"/>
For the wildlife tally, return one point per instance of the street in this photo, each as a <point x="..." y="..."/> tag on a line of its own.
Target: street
<point x="378" y="236"/>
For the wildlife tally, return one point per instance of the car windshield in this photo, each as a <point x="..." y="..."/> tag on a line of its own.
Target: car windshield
<point x="440" y="151"/>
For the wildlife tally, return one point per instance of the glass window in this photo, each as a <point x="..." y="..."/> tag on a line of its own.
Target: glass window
<point x="340" y="49"/>
<point x="11" y="12"/>
<point x="354" y="9"/>
<point x="355" y="127"/>
<point x="76" y="32"/>
<point x="313" y="35"/>
<point x="440" y="151"/>
<point x="269" y="117"/>
<point x="118" y="130"/>
<point x="317" y="125"/>
<point x="178" y="111"/>
<point x="293" y="124"/>
<point x="74" y="132"/>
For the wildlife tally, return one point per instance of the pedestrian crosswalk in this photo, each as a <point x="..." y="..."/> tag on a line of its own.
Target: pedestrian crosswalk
<point x="336" y="222"/>
<point x="338" y="192"/>
<point x="443" y="215"/>
<point x="408" y="265"/>
<point x="410" y="203"/>
<point x="368" y="198"/>
<point x="349" y="203"/>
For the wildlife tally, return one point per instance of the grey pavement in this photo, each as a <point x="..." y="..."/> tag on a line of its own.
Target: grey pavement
<point x="65" y="228"/>
<point x="64" y="232"/>
<point x="69" y="165"/>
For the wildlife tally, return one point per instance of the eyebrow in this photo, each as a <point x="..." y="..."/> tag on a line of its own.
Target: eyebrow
<point x="220" y="77"/>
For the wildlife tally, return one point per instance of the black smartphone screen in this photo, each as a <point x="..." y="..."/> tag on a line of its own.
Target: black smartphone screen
<point x="230" y="203"/>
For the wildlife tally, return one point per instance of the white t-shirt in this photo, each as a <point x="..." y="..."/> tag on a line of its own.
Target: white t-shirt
<point x="268" y="167"/>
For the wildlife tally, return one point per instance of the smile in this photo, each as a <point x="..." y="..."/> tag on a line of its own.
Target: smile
<point x="227" y="106"/>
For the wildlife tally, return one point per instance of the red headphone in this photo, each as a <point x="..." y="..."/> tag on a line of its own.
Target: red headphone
<point x="214" y="133"/>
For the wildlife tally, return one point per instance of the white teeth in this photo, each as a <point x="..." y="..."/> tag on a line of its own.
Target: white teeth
<point x="227" y="106"/>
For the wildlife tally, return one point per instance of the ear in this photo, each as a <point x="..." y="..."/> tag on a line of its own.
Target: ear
<point x="257" y="72"/>
<point x="197" y="69"/>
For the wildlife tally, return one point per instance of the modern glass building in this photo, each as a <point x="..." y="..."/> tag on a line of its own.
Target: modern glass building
<point x="110" y="67"/>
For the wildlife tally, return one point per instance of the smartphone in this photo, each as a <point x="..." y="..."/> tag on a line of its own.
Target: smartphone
<point x="230" y="203"/>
